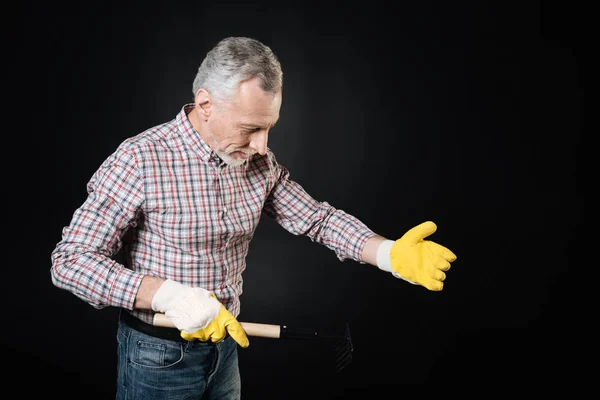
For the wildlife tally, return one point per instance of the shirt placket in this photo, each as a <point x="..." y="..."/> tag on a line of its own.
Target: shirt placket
<point x="223" y="212"/>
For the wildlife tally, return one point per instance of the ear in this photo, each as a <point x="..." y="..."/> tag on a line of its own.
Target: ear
<point x="203" y="103"/>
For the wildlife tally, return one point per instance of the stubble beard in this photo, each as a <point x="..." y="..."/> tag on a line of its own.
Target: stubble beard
<point x="226" y="155"/>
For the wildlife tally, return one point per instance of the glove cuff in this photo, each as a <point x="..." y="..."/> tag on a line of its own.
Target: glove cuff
<point x="384" y="261"/>
<point x="165" y="294"/>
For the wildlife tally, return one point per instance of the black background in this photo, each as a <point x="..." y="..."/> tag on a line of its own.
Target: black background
<point x="469" y="114"/>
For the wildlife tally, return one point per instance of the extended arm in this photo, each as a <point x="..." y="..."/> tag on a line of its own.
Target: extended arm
<point x="369" y="254"/>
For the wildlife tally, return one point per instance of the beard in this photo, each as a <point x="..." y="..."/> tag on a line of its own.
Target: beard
<point x="227" y="155"/>
<point x="230" y="160"/>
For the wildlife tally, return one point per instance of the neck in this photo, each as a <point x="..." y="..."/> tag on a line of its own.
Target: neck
<point x="197" y="124"/>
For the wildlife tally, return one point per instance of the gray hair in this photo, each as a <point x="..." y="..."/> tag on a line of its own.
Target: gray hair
<point x="234" y="60"/>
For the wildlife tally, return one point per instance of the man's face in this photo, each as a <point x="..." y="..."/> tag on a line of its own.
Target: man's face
<point x="239" y="129"/>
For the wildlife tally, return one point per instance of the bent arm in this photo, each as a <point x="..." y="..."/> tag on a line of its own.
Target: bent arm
<point x="82" y="261"/>
<point x="146" y="291"/>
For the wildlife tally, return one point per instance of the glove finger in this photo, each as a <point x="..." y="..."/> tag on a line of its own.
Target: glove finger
<point x="441" y="251"/>
<point x="438" y="275"/>
<point x="442" y="265"/>
<point x="420" y="232"/>
<point x="433" y="285"/>
<point x="218" y="335"/>
<point x="201" y="335"/>
<point x="219" y="330"/>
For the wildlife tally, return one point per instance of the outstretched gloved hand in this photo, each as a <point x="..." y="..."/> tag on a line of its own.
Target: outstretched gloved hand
<point x="219" y="327"/>
<point x="416" y="260"/>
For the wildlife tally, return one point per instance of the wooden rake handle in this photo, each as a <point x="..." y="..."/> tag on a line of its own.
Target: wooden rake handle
<point x="262" y="330"/>
<point x="251" y="328"/>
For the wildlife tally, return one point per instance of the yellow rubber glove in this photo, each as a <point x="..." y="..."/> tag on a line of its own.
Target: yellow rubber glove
<point x="421" y="261"/>
<point x="218" y="328"/>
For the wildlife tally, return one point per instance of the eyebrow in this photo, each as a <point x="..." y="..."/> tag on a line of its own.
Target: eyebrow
<point x="249" y="125"/>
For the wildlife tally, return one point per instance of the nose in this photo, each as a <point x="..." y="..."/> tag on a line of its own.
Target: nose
<point x="259" y="141"/>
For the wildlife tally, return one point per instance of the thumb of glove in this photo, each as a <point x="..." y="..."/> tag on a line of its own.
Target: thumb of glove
<point x="234" y="328"/>
<point x="217" y="329"/>
<point x="419" y="232"/>
<point x="237" y="332"/>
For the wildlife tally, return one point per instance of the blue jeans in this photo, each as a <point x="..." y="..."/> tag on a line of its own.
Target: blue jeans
<point x="153" y="368"/>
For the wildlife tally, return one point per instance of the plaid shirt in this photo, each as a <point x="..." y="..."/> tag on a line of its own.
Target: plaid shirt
<point x="182" y="214"/>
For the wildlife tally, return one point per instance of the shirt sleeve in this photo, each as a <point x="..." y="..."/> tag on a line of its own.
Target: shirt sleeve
<point x="81" y="261"/>
<point x="300" y="214"/>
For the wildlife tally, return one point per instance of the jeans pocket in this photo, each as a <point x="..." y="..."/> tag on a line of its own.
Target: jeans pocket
<point x="149" y="353"/>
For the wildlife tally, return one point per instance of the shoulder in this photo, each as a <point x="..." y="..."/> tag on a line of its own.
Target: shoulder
<point x="152" y="140"/>
<point x="133" y="150"/>
<point x="151" y="137"/>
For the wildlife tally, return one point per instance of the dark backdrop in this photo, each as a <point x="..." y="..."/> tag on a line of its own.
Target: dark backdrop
<point x="465" y="113"/>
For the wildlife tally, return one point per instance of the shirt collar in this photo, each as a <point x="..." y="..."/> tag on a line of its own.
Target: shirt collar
<point x="192" y="137"/>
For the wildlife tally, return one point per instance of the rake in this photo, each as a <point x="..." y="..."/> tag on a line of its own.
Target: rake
<point x="343" y="346"/>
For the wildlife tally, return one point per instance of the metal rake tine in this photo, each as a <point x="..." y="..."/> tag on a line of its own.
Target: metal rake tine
<point x="344" y="351"/>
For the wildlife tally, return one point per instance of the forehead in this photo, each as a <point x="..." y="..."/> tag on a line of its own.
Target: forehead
<point x="252" y="105"/>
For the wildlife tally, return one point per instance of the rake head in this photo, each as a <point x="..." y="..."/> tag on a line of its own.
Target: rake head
<point x="344" y="350"/>
<point x="343" y="346"/>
